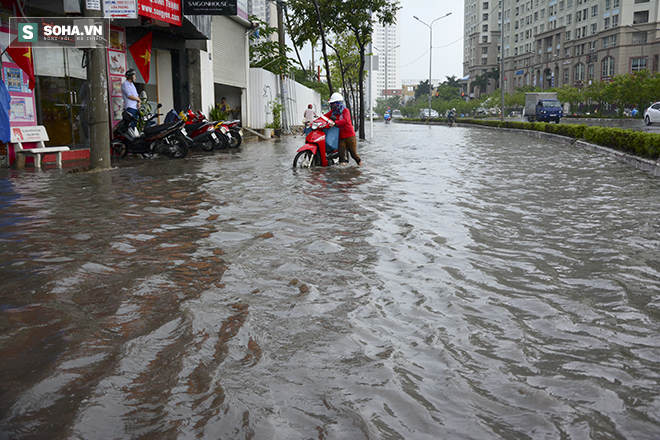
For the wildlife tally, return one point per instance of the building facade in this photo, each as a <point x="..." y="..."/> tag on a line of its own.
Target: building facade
<point x="551" y="43"/>
<point x="386" y="79"/>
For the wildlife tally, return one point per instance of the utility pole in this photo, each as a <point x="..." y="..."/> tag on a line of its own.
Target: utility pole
<point x="99" y="106"/>
<point x="501" y="67"/>
<point x="282" y="43"/>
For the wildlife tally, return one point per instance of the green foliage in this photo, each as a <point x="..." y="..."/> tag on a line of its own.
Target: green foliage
<point x="218" y="115"/>
<point x="637" y="143"/>
<point x="310" y="81"/>
<point x="634" y="142"/>
<point x="422" y="89"/>
<point x="265" y="53"/>
<point x="276" y="109"/>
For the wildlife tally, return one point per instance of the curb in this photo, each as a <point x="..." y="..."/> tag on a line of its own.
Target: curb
<point x="650" y="166"/>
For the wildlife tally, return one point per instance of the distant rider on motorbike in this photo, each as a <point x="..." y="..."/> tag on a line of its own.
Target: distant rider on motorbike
<point x="452" y="116"/>
<point x="340" y="116"/>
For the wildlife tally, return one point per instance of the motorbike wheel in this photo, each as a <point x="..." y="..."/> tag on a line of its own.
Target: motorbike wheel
<point x="178" y="149"/>
<point x="118" y="149"/>
<point x="305" y="159"/>
<point x="207" y="145"/>
<point x="222" y="141"/>
<point x="236" y="139"/>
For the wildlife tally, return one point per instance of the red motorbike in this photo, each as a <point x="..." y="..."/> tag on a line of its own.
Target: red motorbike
<point x="321" y="145"/>
<point x="202" y="132"/>
<point x="232" y="131"/>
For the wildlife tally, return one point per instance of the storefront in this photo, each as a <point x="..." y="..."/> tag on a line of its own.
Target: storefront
<point x="59" y="98"/>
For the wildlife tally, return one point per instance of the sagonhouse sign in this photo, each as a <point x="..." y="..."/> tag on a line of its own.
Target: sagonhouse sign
<point x="210" y="7"/>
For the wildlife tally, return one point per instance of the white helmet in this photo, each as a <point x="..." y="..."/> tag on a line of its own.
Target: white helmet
<point x="336" y="97"/>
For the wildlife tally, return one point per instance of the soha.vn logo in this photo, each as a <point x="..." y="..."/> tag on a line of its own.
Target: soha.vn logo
<point x="27" y="32"/>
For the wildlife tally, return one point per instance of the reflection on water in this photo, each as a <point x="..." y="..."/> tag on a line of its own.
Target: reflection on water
<point x="464" y="283"/>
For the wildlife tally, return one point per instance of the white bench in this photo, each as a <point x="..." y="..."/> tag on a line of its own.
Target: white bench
<point x="38" y="134"/>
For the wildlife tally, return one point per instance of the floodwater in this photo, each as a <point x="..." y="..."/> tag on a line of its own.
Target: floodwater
<point x="463" y="284"/>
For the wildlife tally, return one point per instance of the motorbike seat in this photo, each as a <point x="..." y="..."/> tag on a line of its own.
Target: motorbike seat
<point x="158" y="128"/>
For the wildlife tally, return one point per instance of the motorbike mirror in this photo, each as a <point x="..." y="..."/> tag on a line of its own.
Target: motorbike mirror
<point x="159" y="105"/>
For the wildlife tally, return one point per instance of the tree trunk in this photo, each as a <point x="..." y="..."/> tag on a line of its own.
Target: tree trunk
<point x="323" y="47"/>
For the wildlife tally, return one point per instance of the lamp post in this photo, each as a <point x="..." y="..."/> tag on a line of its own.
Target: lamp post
<point x="644" y="34"/>
<point x="430" y="26"/>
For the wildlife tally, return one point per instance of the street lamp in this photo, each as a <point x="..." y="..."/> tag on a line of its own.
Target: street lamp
<point x="430" y="26"/>
<point x="643" y="36"/>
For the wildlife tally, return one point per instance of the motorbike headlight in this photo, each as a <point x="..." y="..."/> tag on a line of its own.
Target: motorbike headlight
<point x="315" y="125"/>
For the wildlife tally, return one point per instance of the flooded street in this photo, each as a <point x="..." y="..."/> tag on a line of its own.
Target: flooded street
<point x="463" y="284"/>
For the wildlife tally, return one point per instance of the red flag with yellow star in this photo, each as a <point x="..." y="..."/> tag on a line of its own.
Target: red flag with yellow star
<point x="23" y="57"/>
<point x="141" y="52"/>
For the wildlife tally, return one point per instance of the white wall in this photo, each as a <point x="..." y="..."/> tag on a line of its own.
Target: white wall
<point x="265" y="87"/>
<point x="206" y="72"/>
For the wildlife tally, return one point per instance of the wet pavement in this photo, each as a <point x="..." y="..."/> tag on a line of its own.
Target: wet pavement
<point x="463" y="284"/>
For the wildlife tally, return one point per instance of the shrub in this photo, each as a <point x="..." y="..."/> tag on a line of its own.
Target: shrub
<point x="634" y="142"/>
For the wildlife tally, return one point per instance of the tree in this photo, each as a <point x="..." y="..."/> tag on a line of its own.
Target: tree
<point x="328" y="17"/>
<point x="265" y="53"/>
<point x="422" y="89"/>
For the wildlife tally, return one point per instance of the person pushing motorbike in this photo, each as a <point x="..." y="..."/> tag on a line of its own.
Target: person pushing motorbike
<point x="340" y="116"/>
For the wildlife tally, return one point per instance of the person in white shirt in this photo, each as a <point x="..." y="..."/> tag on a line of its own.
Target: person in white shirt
<point x="310" y="115"/>
<point x="130" y="95"/>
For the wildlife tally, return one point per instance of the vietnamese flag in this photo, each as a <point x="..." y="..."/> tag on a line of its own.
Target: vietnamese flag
<point x="141" y="52"/>
<point x="23" y="57"/>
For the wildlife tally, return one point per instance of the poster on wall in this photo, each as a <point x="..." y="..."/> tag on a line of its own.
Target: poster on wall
<point x="116" y="70"/>
<point x="21" y="109"/>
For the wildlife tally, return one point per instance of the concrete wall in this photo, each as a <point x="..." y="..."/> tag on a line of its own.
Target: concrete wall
<point x="265" y="87"/>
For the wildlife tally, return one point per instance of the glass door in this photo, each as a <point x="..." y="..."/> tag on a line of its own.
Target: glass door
<point x="61" y="95"/>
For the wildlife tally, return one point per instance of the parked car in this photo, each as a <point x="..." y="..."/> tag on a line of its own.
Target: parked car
<point x="396" y="114"/>
<point x="424" y="113"/>
<point x="652" y="114"/>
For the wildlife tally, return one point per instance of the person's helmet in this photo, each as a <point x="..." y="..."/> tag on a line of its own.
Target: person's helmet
<point x="453" y="109"/>
<point x="309" y="106"/>
<point x="336" y="97"/>
<point x="130" y="72"/>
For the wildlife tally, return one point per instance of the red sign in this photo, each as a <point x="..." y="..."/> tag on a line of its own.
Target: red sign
<point x="168" y="11"/>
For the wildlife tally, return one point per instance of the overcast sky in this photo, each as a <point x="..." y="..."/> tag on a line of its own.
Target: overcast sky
<point x="447" y="39"/>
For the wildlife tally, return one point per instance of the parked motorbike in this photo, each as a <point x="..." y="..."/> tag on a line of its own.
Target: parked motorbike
<point x="168" y="139"/>
<point x="232" y="131"/>
<point x="321" y="145"/>
<point x="201" y="131"/>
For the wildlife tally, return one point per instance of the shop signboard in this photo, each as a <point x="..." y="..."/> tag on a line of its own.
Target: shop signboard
<point x="120" y="8"/>
<point x="210" y="7"/>
<point x="168" y="11"/>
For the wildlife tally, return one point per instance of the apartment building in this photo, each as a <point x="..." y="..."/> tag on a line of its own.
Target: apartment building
<point x="387" y="75"/>
<point x="481" y="43"/>
<point x="549" y="43"/>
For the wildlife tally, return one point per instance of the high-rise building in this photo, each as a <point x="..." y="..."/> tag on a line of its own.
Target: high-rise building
<point x="386" y="46"/>
<point x="549" y="43"/>
<point x="265" y="10"/>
